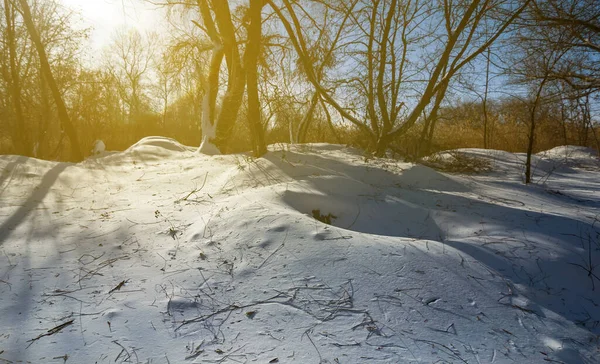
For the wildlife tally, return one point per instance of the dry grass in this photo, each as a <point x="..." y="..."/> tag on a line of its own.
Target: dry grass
<point x="456" y="162"/>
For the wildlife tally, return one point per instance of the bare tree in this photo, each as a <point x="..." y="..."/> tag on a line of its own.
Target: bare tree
<point x="20" y="134"/>
<point x="47" y="73"/>
<point x="129" y="60"/>
<point x="391" y="31"/>
<point x="576" y="26"/>
<point x="251" y="62"/>
<point x="217" y="129"/>
<point x="534" y="67"/>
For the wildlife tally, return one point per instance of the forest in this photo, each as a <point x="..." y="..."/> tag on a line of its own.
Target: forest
<point x="399" y="77"/>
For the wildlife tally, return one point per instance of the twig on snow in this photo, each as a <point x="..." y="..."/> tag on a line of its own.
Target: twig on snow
<point x="195" y="189"/>
<point x="313" y="344"/>
<point x="123" y="350"/>
<point x="118" y="286"/>
<point x="274" y="251"/>
<point x="52" y="331"/>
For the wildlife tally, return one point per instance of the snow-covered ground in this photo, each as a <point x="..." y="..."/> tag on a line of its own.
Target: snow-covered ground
<point x="161" y="255"/>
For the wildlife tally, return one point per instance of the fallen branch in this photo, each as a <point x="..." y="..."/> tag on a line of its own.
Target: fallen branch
<point x="228" y="309"/>
<point x="52" y="331"/>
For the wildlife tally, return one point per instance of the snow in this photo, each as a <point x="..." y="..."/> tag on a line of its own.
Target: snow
<point x="99" y="147"/>
<point x="159" y="254"/>
<point x="209" y="126"/>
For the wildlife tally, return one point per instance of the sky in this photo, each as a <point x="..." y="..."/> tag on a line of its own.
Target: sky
<point x="106" y="16"/>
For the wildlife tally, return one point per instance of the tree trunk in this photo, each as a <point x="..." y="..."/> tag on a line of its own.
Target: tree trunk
<point x="306" y="120"/>
<point x="44" y="119"/>
<point x="211" y="85"/>
<point x="422" y="147"/>
<point x="382" y="144"/>
<point x="531" y="138"/>
<point x="236" y="82"/>
<point x="251" y="59"/>
<point x="217" y="130"/>
<point x="47" y="71"/>
<point x="330" y="122"/>
<point x="20" y="138"/>
<point x="485" y="101"/>
<point x="431" y="120"/>
<point x="563" y="122"/>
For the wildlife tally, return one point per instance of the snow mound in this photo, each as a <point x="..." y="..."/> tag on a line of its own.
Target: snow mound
<point x="208" y="148"/>
<point x="146" y="150"/>
<point x="572" y="156"/>
<point x="311" y="254"/>
<point x="476" y="160"/>
<point x="10" y="164"/>
<point x="570" y="151"/>
<point x="154" y="142"/>
<point x="512" y="165"/>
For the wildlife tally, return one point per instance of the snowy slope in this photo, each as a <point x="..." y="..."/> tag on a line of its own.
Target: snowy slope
<point x="160" y="255"/>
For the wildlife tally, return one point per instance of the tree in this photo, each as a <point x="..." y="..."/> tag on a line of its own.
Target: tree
<point x="534" y="67"/>
<point x="484" y="102"/>
<point x="20" y="134"/>
<point x="242" y="69"/>
<point x="388" y="32"/>
<point x="575" y="25"/>
<point x="251" y="62"/>
<point x="128" y="61"/>
<point x="47" y="73"/>
<point x="166" y="84"/>
<point x="217" y="129"/>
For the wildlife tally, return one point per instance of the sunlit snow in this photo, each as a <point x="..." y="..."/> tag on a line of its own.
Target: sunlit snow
<point x="159" y="254"/>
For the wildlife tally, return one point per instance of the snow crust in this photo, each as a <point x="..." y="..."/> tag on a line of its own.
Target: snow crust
<point x="159" y="254"/>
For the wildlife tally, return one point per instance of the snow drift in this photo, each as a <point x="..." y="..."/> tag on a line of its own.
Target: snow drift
<point x="158" y="254"/>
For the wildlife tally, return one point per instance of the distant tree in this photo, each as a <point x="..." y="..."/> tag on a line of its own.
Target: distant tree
<point x="181" y="69"/>
<point x="166" y="85"/>
<point x="129" y="60"/>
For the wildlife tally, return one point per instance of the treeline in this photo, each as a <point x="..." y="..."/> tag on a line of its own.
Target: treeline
<point x="406" y="76"/>
<point x="462" y="126"/>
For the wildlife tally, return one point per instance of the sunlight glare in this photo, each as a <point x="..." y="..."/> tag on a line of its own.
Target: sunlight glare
<point x="106" y="16"/>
